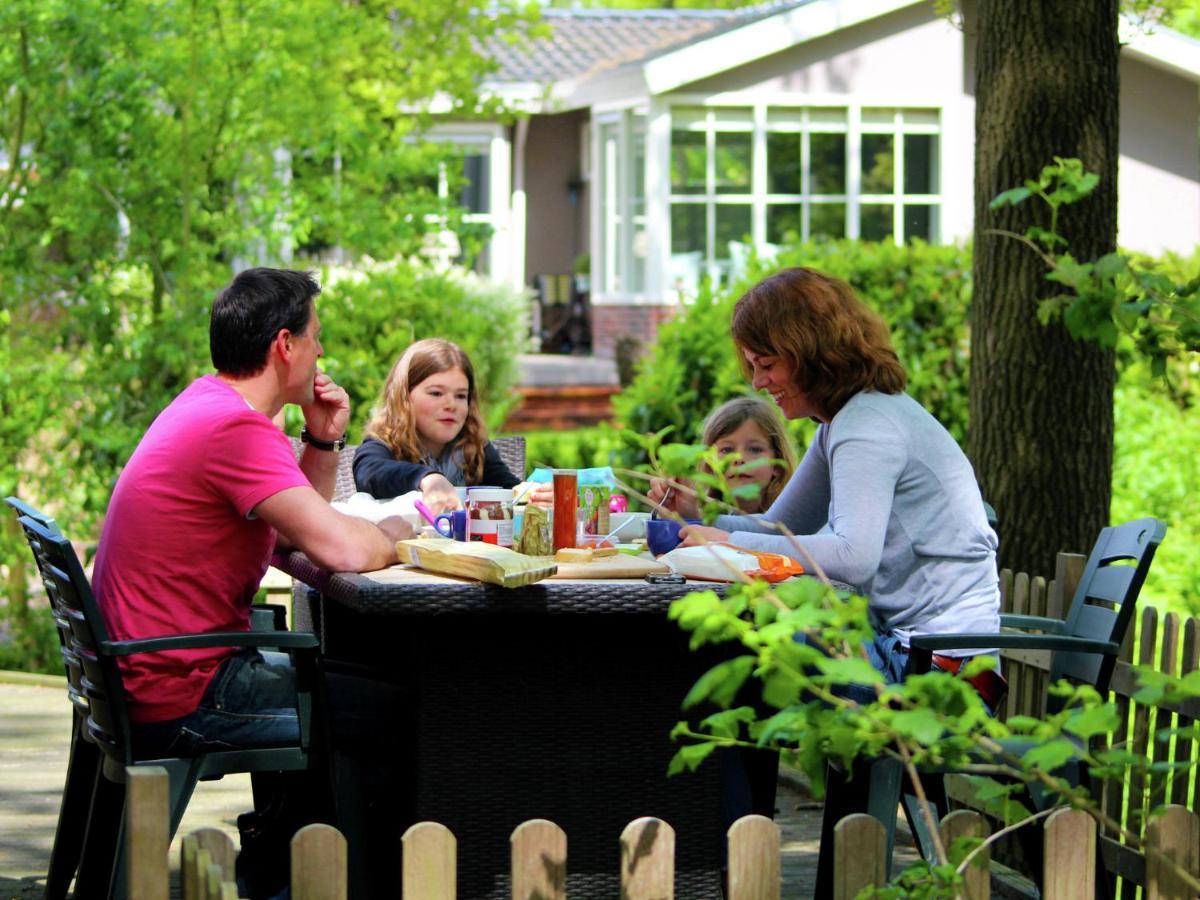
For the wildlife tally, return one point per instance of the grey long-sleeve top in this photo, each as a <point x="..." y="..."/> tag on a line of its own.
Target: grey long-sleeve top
<point x="885" y="500"/>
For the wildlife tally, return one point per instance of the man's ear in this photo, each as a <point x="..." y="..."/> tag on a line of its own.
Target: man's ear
<point x="283" y="345"/>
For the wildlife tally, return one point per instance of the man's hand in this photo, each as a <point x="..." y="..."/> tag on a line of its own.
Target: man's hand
<point x="328" y="416"/>
<point x="438" y="493"/>
<point x="396" y="528"/>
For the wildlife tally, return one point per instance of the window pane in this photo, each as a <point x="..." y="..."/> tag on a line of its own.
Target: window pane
<point x="783" y="223"/>
<point x="920" y="164"/>
<point x="875" y="221"/>
<point x="828" y="117"/>
<point x="687" y="227"/>
<point x="733" y="224"/>
<point x="475" y="192"/>
<point x="827" y="220"/>
<point x="733" y="163"/>
<point x="827" y="158"/>
<point x="920" y="222"/>
<point x="687" y="162"/>
<point x="783" y="163"/>
<point x="877" y="163"/>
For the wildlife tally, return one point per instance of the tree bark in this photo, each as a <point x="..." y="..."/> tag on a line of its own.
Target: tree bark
<point x="1041" y="402"/>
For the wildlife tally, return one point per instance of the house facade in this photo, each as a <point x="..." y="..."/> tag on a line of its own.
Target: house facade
<point x="663" y="146"/>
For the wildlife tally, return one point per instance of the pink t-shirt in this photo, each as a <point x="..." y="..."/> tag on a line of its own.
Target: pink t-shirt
<point x="179" y="551"/>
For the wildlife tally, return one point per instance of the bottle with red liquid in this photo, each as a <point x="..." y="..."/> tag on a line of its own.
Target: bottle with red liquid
<point x="566" y="500"/>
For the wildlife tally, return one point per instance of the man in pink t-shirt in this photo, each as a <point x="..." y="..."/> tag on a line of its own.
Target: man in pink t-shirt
<point x="208" y="493"/>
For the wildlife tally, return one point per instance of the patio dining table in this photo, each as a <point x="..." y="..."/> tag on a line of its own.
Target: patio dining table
<point x="481" y="707"/>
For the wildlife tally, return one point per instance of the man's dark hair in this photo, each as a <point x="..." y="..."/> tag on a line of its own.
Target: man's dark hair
<point x="251" y="310"/>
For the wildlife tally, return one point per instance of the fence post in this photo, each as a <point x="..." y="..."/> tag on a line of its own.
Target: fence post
<point x="754" y="859"/>
<point x="648" y="860"/>
<point x="430" y="862"/>
<point x="146" y="839"/>
<point x="859" y="850"/>
<point x="1069" y="866"/>
<point x="1176" y="834"/>
<point x="539" y="861"/>
<point x="318" y="863"/>
<point x="977" y="883"/>
<point x="220" y="850"/>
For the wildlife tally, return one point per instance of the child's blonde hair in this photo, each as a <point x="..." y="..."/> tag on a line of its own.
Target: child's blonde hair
<point x="392" y="419"/>
<point x="731" y="415"/>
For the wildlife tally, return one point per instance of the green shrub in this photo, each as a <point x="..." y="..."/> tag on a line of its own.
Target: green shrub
<point x="579" y="448"/>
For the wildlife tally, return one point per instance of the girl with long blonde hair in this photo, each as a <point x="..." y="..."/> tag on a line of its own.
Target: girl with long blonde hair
<point x="427" y="432"/>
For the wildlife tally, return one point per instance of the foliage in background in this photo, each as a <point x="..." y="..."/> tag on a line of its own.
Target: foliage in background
<point x="148" y="150"/>
<point x="1112" y="299"/>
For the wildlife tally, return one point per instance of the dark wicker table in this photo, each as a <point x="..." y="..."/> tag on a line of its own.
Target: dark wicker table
<point x="481" y="707"/>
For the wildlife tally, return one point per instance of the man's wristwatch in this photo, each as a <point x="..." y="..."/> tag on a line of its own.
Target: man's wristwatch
<point x="307" y="438"/>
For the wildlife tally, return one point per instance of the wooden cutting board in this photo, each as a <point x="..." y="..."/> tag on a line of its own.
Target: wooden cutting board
<point x="620" y="566"/>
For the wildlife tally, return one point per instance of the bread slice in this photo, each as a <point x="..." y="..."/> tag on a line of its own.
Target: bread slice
<point x="574" y="554"/>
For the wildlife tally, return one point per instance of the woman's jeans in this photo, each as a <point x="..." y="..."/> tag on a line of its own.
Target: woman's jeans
<point x="250" y="702"/>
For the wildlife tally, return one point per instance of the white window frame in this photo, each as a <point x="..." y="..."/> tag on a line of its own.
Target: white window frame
<point x="493" y="139"/>
<point x="759" y="198"/>
<point x="611" y="271"/>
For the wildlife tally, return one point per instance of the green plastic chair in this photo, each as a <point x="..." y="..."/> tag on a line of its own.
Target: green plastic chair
<point x="101" y="866"/>
<point x="1084" y="646"/>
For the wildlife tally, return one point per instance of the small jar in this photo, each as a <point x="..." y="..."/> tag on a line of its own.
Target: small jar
<point x="490" y="516"/>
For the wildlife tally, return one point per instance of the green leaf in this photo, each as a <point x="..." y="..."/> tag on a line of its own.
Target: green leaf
<point x="1050" y="755"/>
<point x="689" y="757"/>
<point x="921" y="725"/>
<point x="721" y="683"/>
<point x="1012" y="196"/>
<point x="1087" y="723"/>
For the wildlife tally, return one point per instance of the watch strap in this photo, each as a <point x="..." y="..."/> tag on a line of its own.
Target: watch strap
<point x="333" y="446"/>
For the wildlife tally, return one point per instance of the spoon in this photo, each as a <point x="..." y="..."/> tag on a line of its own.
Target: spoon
<point x="662" y="504"/>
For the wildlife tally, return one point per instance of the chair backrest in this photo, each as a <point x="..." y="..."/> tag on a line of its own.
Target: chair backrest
<point x="72" y="667"/>
<point x="1104" y="602"/>
<point x="72" y="598"/>
<point x="344" y="487"/>
<point x="512" y="452"/>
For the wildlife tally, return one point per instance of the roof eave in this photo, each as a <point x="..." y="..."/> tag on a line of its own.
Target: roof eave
<point x="1162" y="48"/>
<point x="763" y="37"/>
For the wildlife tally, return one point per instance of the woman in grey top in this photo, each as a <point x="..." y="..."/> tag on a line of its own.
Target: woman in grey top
<point x="884" y="499"/>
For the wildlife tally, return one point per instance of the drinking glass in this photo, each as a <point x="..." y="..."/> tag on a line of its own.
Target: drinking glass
<point x="566" y="500"/>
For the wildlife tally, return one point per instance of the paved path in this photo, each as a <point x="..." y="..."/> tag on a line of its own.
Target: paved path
<point x="34" y="726"/>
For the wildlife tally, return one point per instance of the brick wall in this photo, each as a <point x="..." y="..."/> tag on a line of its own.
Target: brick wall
<point x="609" y="323"/>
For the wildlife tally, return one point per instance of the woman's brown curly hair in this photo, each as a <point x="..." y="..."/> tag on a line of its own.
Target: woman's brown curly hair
<point x="834" y="343"/>
<point x="392" y="419"/>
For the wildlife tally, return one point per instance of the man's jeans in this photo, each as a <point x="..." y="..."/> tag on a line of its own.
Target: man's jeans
<point x="250" y="702"/>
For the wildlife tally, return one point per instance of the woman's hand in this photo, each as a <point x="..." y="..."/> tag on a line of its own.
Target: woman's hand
<point x="438" y="493"/>
<point x="695" y="535"/>
<point x="674" y="496"/>
<point x="540" y="494"/>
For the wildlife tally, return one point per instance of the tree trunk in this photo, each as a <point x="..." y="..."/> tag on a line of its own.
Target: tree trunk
<point x="1041" y="402"/>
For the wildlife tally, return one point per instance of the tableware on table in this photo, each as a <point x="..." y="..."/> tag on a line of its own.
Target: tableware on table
<point x="566" y="503"/>
<point x="627" y="526"/>
<point x="662" y="535"/>
<point x="658" y="510"/>
<point x="452" y="524"/>
<point x="490" y="515"/>
<point x="426" y="512"/>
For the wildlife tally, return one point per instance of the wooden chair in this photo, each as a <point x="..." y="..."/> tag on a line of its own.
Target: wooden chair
<point x="1084" y="648"/>
<point x="106" y="725"/>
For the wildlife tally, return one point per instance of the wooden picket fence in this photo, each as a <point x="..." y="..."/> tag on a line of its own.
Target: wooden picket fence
<point x="1166" y="643"/>
<point x="539" y="856"/>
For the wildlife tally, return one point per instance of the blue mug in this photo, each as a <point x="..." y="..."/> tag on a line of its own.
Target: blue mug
<point x="662" y="535"/>
<point x="452" y="524"/>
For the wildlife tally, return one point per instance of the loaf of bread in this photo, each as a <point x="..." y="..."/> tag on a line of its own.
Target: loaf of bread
<point x="583" y="554"/>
